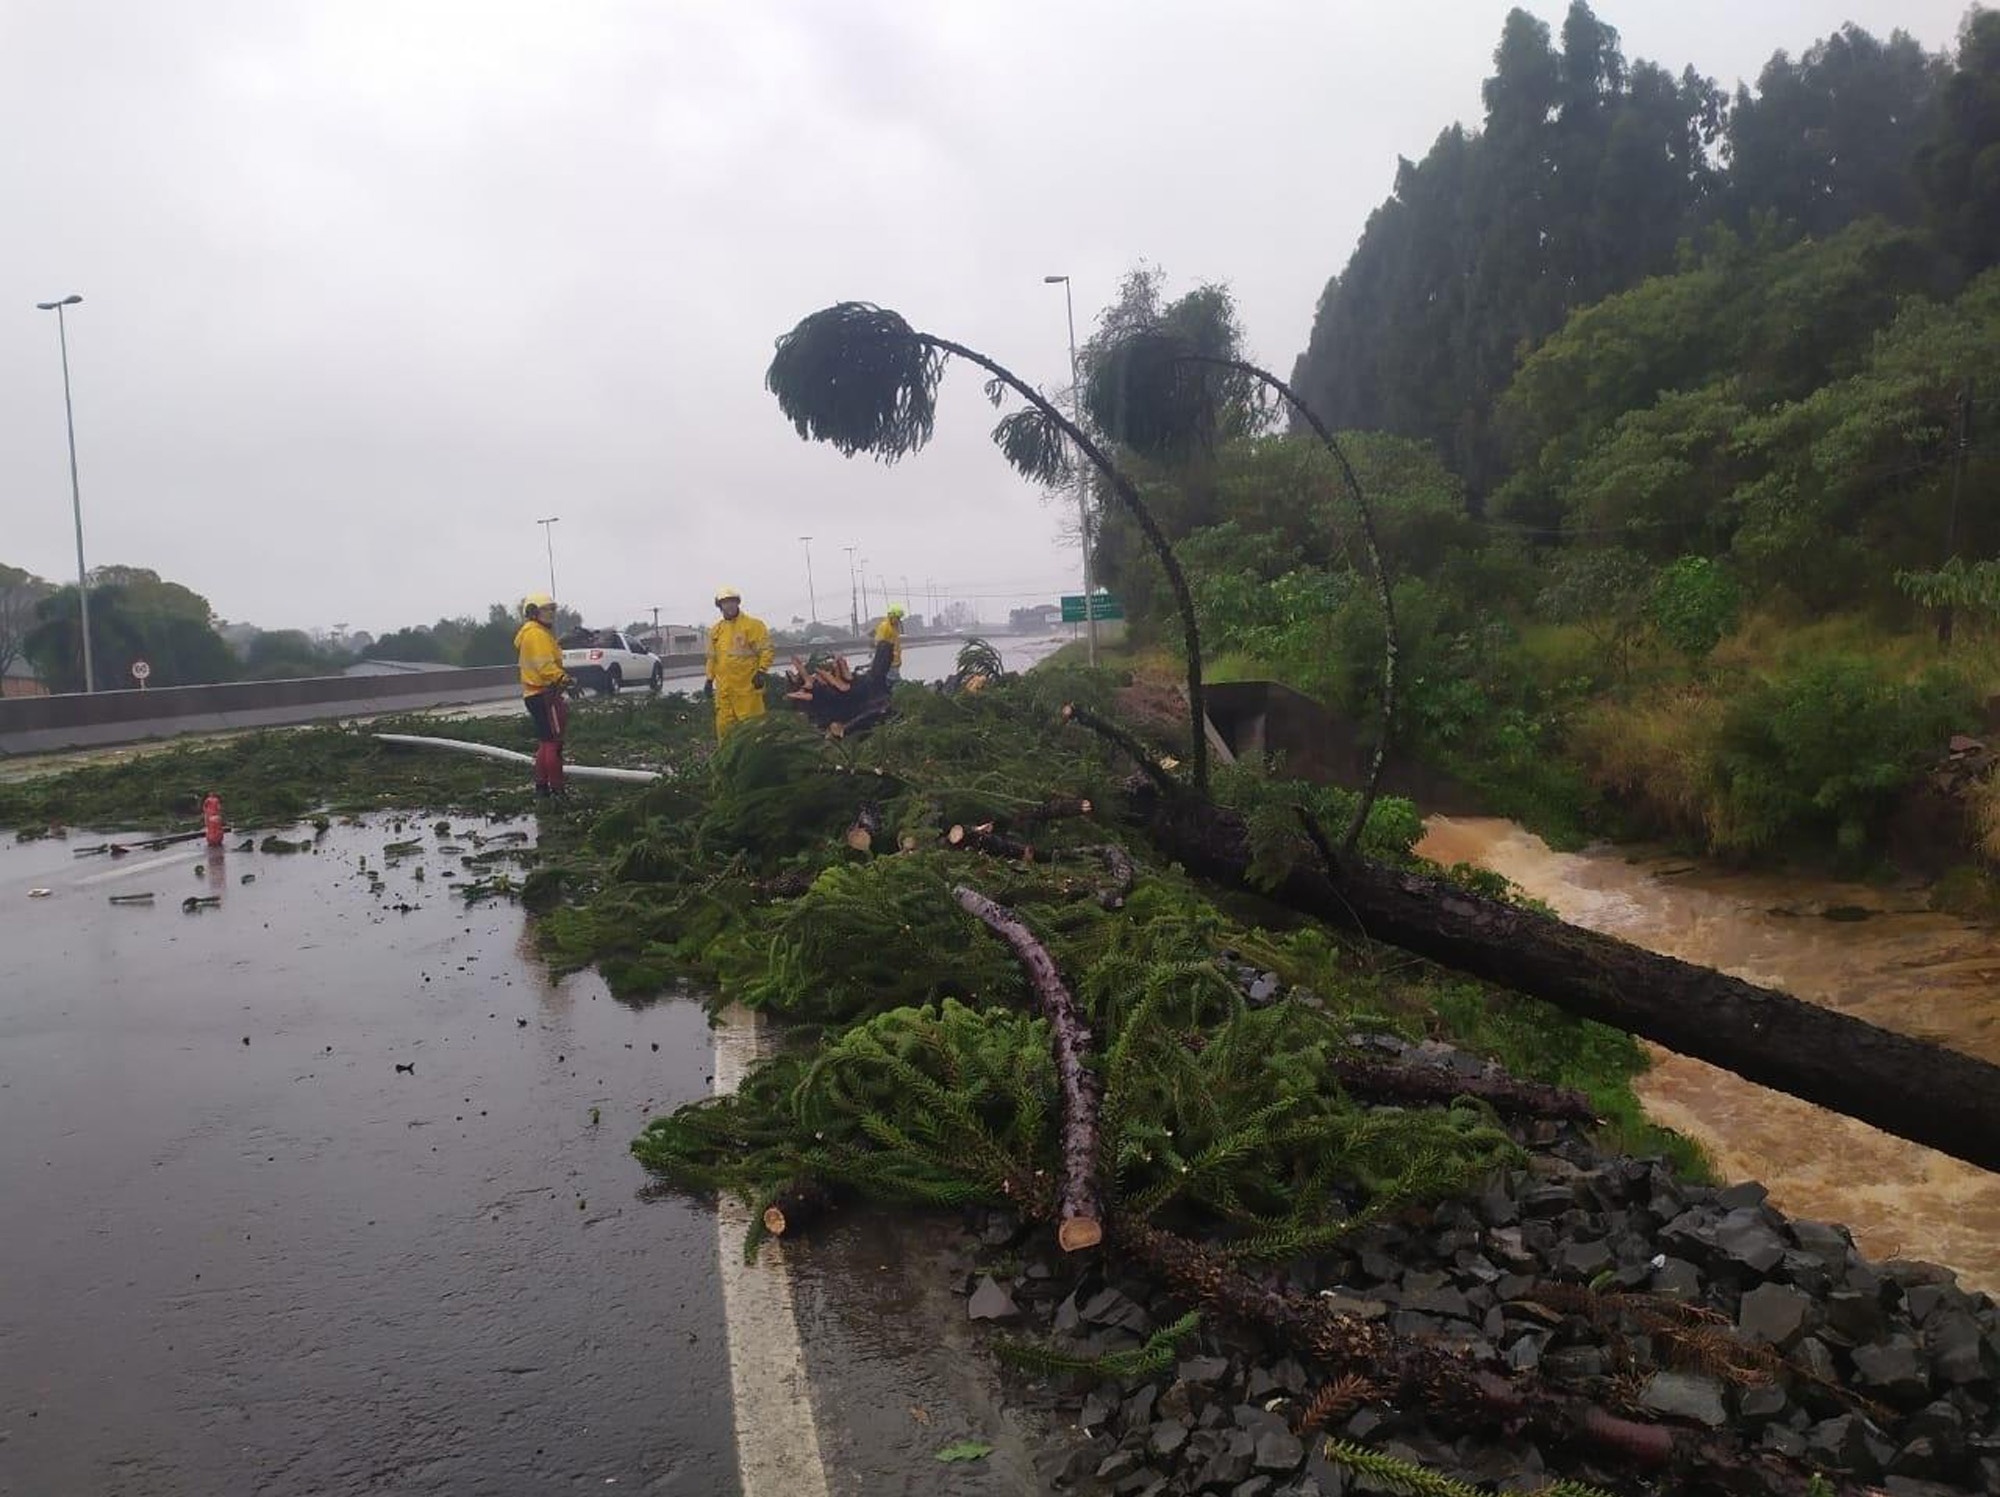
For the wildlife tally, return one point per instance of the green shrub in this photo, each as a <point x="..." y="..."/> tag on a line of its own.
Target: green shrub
<point x="1823" y="751"/>
<point x="1693" y="604"/>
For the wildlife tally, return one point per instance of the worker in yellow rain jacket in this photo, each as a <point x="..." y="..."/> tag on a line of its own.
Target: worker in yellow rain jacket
<point x="890" y="632"/>
<point x="542" y="681"/>
<point x="739" y="653"/>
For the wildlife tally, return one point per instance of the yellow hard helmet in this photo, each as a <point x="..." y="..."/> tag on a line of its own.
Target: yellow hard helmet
<point x="723" y="594"/>
<point x="895" y="610"/>
<point x="537" y="603"/>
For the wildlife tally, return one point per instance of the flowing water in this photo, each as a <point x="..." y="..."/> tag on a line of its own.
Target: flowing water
<point x="1877" y="954"/>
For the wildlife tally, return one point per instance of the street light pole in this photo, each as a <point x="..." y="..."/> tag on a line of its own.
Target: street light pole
<point x="1082" y="504"/>
<point x="866" y="611"/>
<point x="75" y="489"/>
<point x="549" y="537"/>
<point x="853" y="606"/>
<point x="812" y="597"/>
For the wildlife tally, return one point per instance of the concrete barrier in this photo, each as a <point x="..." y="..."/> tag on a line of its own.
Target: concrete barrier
<point x="37" y="725"/>
<point x="32" y="725"/>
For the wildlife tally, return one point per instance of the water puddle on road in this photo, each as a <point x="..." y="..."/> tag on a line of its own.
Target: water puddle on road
<point x="326" y="1187"/>
<point x="1876" y="954"/>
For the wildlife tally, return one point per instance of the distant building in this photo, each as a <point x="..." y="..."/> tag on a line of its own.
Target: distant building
<point x="20" y="680"/>
<point x="674" y="639"/>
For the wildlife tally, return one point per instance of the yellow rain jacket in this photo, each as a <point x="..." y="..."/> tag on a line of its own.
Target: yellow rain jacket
<point x="541" y="658"/>
<point x="892" y="631"/>
<point x="738" y="649"/>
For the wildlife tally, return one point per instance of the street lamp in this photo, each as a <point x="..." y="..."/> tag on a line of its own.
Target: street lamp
<point x="548" y="537"/>
<point x="1082" y="507"/>
<point x="812" y="597"/>
<point x="853" y="605"/>
<point x="75" y="491"/>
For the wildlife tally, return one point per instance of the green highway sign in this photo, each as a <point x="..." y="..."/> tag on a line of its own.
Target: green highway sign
<point x="1102" y="606"/>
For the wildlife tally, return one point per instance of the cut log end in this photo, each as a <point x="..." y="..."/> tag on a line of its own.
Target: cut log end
<point x="794" y="1209"/>
<point x="1078" y="1233"/>
<point x="867" y="822"/>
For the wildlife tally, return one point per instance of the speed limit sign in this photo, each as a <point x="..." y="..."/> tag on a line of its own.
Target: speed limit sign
<point x="141" y="670"/>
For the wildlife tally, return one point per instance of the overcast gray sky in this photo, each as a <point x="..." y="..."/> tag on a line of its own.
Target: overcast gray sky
<point x="371" y="285"/>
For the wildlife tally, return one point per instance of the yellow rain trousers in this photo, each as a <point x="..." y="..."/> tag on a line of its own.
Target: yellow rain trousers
<point x="738" y="649"/>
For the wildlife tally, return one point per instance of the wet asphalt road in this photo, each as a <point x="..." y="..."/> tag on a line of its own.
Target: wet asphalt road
<point x="286" y="1267"/>
<point x="282" y="1266"/>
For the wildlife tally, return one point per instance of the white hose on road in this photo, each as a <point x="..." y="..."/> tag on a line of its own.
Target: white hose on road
<point x="489" y="751"/>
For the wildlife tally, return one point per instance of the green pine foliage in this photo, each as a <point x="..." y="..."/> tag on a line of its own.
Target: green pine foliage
<point x="1154" y="1356"/>
<point x="1388" y="1473"/>
<point x="865" y="938"/>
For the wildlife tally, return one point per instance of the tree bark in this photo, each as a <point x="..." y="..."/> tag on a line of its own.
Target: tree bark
<point x="1079" y="1206"/>
<point x="993" y="843"/>
<point x="1455" y="1392"/>
<point x="1919" y="1091"/>
<point x="1118" y="863"/>
<point x="1436" y="1086"/>
<point x="1058" y="808"/>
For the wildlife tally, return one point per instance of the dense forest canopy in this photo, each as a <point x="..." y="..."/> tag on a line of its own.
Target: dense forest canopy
<point x="1671" y="402"/>
<point x="1589" y="174"/>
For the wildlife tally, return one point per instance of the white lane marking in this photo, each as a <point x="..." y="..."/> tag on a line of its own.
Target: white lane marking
<point x="777" y="1442"/>
<point x="126" y="870"/>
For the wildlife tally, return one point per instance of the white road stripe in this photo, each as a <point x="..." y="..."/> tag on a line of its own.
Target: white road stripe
<point x="777" y="1443"/>
<point x="126" y="870"/>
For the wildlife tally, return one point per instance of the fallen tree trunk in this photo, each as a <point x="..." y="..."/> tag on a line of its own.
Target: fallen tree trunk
<point x="1436" y="1086"/>
<point x="1940" y="1098"/>
<point x="1079" y="1206"/>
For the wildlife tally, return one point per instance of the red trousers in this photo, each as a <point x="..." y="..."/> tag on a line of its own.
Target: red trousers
<point x="551" y="715"/>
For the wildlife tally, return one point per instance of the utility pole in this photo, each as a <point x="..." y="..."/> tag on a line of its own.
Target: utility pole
<point x="1957" y="486"/>
<point x="1082" y="485"/>
<point x="853" y="605"/>
<point x="549" y="536"/>
<point x="866" y="610"/>
<point x="75" y="489"/>
<point x="812" y="598"/>
<point x="656" y="628"/>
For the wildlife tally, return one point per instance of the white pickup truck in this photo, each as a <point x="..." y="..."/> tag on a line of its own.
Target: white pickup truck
<point x="605" y="660"/>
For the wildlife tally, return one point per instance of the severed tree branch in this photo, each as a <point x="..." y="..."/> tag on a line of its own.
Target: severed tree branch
<point x="1079" y="1204"/>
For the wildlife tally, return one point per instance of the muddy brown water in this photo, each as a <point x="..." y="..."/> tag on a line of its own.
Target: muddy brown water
<point x="1877" y="954"/>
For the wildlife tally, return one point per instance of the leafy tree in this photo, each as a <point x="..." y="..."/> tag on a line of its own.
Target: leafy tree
<point x="1855" y="477"/>
<point x="1693" y="604"/>
<point x="1586" y="176"/>
<point x="1972" y="588"/>
<point x="1603" y="590"/>
<point x="864" y="380"/>
<point x="281" y="654"/>
<point x="1958" y="167"/>
<point x="1661" y="480"/>
<point x="1831" y="137"/>
<point x="134" y="615"/>
<point x="417" y="643"/>
<point x="1824" y="750"/>
<point x="20" y="591"/>
<point x="492" y="643"/>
